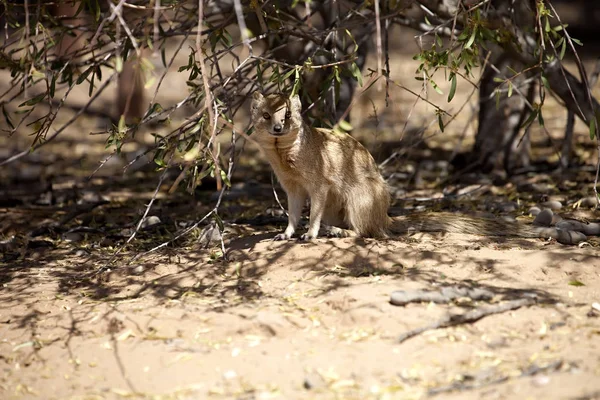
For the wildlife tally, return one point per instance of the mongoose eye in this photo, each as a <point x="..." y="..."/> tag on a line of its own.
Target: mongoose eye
<point x="288" y="115"/>
<point x="266" y="116"/>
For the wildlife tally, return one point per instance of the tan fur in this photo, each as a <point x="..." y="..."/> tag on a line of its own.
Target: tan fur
<point x="131" y="95"/>
<point x="457" y="223"/>
<point x="334" y="170"/>
<point x="347" y="193"/>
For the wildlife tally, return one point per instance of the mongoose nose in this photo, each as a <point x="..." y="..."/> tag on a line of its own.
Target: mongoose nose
<point x="277" y="128"/>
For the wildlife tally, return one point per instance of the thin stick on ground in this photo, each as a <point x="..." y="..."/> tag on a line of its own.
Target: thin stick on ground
<point x="471" y="316"/>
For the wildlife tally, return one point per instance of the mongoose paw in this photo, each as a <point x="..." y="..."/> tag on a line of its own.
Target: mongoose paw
<point x="307" y="237"/>
<point x="335" y="232"/>
<point x="282" y="236"/>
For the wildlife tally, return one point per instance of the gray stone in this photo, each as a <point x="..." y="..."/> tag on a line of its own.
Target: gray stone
<point x="588" y="202"/>
<point x="136" y="269"/>
<point x="150" y="222"/>
<point x="552" y="204"/>
<point x="570" y="237"/>
<point x="544" y="218"/>
<point x="72" y="237"/>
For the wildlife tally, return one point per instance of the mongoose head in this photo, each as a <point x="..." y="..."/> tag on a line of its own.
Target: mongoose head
<point x="276" y="114"/>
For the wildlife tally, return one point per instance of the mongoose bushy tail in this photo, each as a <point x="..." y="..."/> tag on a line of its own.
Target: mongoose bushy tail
<point x="458" y="223"/>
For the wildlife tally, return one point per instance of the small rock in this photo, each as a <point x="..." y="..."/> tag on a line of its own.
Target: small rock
<point x="508" y="207"/>
<point x="210" y="235"/>
<point x="593" y="229"/>
<point x="72" y="237"/>
<point x="540" y="380"/>
<point x="570" y="237"/>
<point x="150" y="222"/>
<point x="399" y="194"/>
<point x="571" y="225"/>
<point x="497" y="343"/>
<point x="126" y="232"/>
<point x="8" y="244"/>
<point x="588" y="202"/>
<point x="544" y="218"/>
<point x="136" y="269"/>
<point x="81" y="253"/>
<point x="274" y="211"/>
<point x="552" y="204"/>
<point x="313" y="381"/>
<point x="442" y="165"/>
<point x="106" y="242"/>
<point x="92" y="198"/>
<point x="230" y="374"/>
<point x="534" y="211"/>
<point x="46" y="199"/>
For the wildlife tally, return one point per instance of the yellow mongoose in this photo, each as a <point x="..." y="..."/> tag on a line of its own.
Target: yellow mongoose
<point x="347" y="193"/>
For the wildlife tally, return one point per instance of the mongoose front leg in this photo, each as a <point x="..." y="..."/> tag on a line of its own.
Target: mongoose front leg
<point x="296" y="198"/>
<point x="317" y="206"/>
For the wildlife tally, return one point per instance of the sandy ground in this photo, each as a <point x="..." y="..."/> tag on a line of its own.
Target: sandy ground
<point x="290" y="320"/>
<point x="281" y="320"/>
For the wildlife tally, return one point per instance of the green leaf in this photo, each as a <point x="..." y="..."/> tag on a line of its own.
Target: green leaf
<point x="471" y="39"/>
<point x="163" y="55"/>
<point x="297" y="83"/>
<point x="576" y="283"/>
<point x="122" y="126"/>
<point x="225" y="179"/>
<point x="577" y="41"/>
<point x="91" y="89"/>
<point x="563" y="49"/>
<point x="33" y="101"/>
<point x="345" y="125"/>
<point x="462" y="36"/>
<point x="545" y="82"/>
<point x="436" y="87"/>
<point x="452" y="87"/>
<point x="356" y="73"/>
<point x="288" y="74"/>
<point x="219" y="222"/>
<point x="441" y="122"/>
<point x="530" y="119"/>
<point x="7" y="117"/>
<point x="119" y="64"/>
<point x="52" y="86"/>
<point x="592" y="128"/>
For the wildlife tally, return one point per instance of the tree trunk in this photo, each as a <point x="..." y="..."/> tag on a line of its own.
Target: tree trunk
<point x="498" y="144"/>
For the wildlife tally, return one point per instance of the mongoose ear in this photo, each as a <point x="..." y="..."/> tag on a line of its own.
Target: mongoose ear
<point x="295" y="103"/>
<point x="257" y="99"/>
